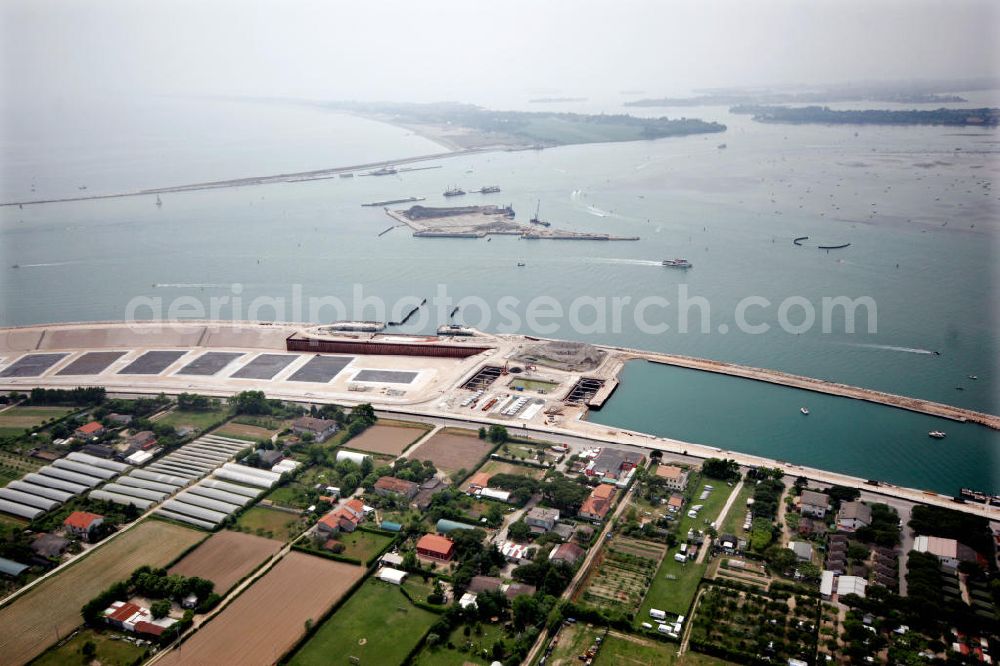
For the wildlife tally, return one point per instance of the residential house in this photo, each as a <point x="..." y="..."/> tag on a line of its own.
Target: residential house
<point x="814" y="504"/>
<point x="541" y="519"/>
<point x="270" y="457"/>
<point x="569" y="553"/>
<point x="598" y="503"/>
<point x="320" y="429"/>
<point x="518" y="589"/>
<point x="495" y="494"/>
<point x="344" y="518"/>
<point x="120" y="419"/>
<point x="89" y="430"/>
<point x="484" y="584"/>
<point x="949" y="551"/>
<point x="142" y="441"/>
<point x="854" y="515"/>
<point x="675" y="502"/>
<point x="390" y="485"/>
<point x="611" y="463"/>
<point x="436" y="547"/>
<point x="803" y="551"/>
<point x="49" y="545"/>
<point x="83" y="524"/>
<point x="674" y="477"/>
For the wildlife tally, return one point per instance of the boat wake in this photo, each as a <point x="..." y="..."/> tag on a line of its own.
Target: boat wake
<point x="594" y="210"/>
<point x="908" y="350"/>
<point x="627" y="262"/>
<point x="53" y="263"/>
<point x="189" y="285"/>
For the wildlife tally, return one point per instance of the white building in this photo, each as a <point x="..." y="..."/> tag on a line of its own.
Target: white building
<point x="949" y="551"/>
<point x="851" y="585"/>
<point x="394" y="576"/>
<point x="826" y="585"/>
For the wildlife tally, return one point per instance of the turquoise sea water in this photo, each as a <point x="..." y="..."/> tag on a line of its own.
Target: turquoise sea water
<point x="839" y="434"/>
<point x="916" y="203"/>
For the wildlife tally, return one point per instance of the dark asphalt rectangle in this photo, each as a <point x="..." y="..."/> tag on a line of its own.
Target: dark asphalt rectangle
<point x="385" y="376"/>
<point x="91" y="363"/>
<point x="209" y="363"/>
<point x="32" y="365"/>
<point x="320" y="369"/>
<point x="264" y="366"/>
<point x="151" y="363"/>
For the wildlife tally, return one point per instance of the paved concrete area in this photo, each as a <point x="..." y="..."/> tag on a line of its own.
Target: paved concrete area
<point x="91" y="363"/>
<point x="209" y="363"/>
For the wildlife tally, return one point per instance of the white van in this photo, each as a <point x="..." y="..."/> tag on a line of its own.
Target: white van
<point x="647" y="625"/>
<point x="680" y="557"/>
<point x="657" y="614"/>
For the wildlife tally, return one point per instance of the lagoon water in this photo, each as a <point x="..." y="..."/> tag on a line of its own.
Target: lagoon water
<point x="916" y="203"/>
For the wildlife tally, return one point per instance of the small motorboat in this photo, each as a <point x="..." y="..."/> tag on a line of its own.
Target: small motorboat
<point x="520" y="264"/>
<point x="937" y="434"/>
<point x="804" y="410"/>
<point x="973" y="377"/>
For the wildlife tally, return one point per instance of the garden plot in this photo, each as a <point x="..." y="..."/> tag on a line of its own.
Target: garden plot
<point x="622" y="574"/>
<point x="741" y="625"/>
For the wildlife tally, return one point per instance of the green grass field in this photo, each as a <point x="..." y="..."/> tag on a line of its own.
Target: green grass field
<point x="675" y="584"/>
<point x="733" y="524"/>
<point x="363" y="545"/>
<point x="378" y="625"/>
<point x="16" y="420"/>
<point x="534" y="385"/>
<point x="108" y="651"/>
<point x="199" y="420"/>
<point x="272" y="523"/>
<point x="471" y="649"/>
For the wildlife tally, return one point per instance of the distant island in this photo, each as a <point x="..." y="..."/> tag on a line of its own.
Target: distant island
<point x="796" y="98"/>
<point x="556" y="100"/>
<point x="466" y="126"/>
<point x="986" y="117"/>
<point x="892" y="92"/>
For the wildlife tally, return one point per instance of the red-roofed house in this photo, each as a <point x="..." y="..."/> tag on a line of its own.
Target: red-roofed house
<point x="344" y="518"/>
<point x="597" y="505"/>
<point x="82" y="523"/>
<point x="436" y="547"/>
<point x="390" y="485"/>
<point x="148" y="628"/>
<point x="88" y="430"/>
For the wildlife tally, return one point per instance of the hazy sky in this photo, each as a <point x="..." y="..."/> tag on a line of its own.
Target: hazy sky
<point x="480" y="51"/>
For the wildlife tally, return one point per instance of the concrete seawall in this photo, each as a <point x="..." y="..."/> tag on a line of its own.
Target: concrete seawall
<point x="820" y="386"/>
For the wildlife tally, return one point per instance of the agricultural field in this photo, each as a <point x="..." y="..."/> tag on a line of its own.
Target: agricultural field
<point x="675" y="583"/>
<point x="573" y="641"/>
<point x="271" y="615"/>
<point x="16" y="420"/>
<point x="245" y="431"/>
<point x="33" y="620"/>
<point x="199" y="420"/>
<point x="14" y="466"/>
<point x="497" y="467"/>
<point x="109" y="650"/>
<point x="619" y="649"/>
<point x="226" y="557"/>
<point x="363" y="545"/>
<point x="388" y="439"/>
<point x="377" y="625"/>
<point x="451" y="450"/>
<point x="270" y="523"/>
<point x="742" y="571"/>
<point x="622" y="574"/>
<point x="749" y="624"/>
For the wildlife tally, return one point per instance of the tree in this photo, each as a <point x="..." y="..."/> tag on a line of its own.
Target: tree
<point x="160" y="608"/>
<point x="482" y="432"/>
<point x="250" y="402"/>
<point x="498" y="434"/>
<point x="363" y="413"/>
<point x="526" y="612"/>
<point x="564" y="494"/>
<point x="519" y="531"/>
<point x="725" y="470"/>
